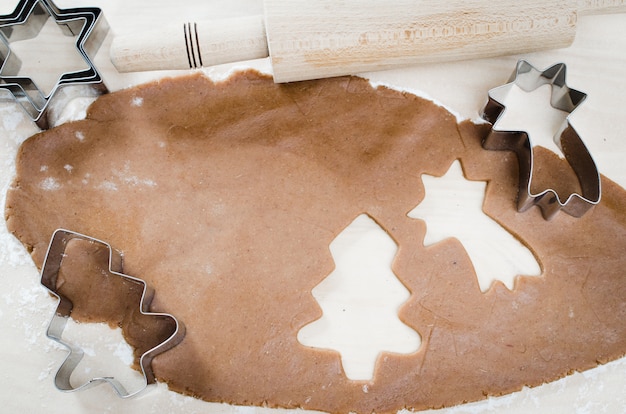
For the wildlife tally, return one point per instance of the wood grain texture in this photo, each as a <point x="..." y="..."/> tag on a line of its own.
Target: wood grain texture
<point x="191" y="45"/>
<point x="601" y="6"/>
<point x="322" y="38"/>
<point x="311" y="39"/>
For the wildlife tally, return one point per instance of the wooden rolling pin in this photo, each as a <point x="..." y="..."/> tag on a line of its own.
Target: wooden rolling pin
<point x="309" y="39"/>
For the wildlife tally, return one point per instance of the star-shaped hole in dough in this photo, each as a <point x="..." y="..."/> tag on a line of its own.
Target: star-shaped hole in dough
<point x="452" y="207"/>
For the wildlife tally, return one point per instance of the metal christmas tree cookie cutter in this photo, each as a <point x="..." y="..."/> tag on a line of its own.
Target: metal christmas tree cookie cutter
<point x="528" y="78"/>
<point x="27" y="20"/>
<point x="49" y="274"/>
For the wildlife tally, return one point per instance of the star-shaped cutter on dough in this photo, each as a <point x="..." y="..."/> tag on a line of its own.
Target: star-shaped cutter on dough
<point x="529" y="78"/>
<point x="49" y="274"/>
<point x="89" y="27"/>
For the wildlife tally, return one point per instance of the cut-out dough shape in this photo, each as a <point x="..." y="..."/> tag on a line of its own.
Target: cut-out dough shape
<point x="452" y="201"/>
<point x="251" y="186"/>
<point x="362" y="326"/>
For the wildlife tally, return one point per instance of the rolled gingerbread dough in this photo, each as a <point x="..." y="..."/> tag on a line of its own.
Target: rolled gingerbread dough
<point x="225" y="196"/>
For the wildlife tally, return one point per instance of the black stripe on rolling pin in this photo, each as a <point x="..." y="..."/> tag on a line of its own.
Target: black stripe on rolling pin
<point x="195" y="29"/>
<point x="189" y="44"/>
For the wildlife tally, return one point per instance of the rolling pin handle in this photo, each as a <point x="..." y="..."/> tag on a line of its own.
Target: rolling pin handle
<point x="192" y="45"/>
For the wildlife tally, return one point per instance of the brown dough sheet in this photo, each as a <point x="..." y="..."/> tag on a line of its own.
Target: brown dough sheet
<point x="225" y="197"/>
<point x="97" y="295"/>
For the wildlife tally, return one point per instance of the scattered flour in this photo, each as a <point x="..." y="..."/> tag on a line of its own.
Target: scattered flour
<point x="89" y="351"/>
<point x="46" y="372"/>
<point x="137" y="101"/>
<point x="11" y="251"/>
<point x="15" y="124"/>
<point x="35" y="305"/>
<point x="49" y="184"/>
<point x="126" y="177"/>
<point x="108" y="186"/>
<point x="124" y="352"/>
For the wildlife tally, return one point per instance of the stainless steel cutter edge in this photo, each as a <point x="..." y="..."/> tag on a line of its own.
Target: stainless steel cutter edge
<point x="49" y="273"/>
<point x="529" y="78"/>
<point x="86" y="24"/>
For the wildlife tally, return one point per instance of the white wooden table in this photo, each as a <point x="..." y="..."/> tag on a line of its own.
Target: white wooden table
<point x="596" y="65"/>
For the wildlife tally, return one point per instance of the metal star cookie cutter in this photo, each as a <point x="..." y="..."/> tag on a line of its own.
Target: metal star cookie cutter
<point x="528" y="78"/>
<point x="49" y="274"/>
<point x="86" y="24"/>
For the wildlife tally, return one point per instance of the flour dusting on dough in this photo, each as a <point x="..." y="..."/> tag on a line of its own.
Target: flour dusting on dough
<point x="50" y="184"/>
<point x="107" y="186"/>
<point x="332" y="384"/>
<point x="126" y="177"/>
